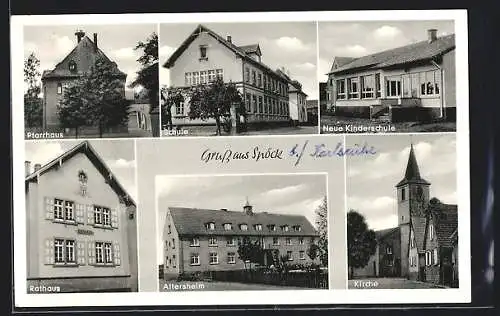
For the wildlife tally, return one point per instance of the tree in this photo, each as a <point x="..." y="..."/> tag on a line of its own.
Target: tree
<point x="33" y="111"/>
<point x="321" y="224"/>
<point x="215" y="101"/>
<point x="251" y="252"/>
<point x="313" y="251"/>
<point x="75" y="107"/>
<point x="361" y="241"/>
<point x="170" y="97"/>
<point x="147" y="76"/>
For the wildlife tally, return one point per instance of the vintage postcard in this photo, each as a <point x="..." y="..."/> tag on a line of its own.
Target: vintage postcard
<point x="350" y="187"/>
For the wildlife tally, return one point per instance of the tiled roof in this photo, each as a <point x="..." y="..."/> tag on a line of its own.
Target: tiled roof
<point x="191" y="221"/>
<point x="412" y="173"/>
<point x="416" y="52"/>
<point x="249" y="49"/>
<point x="380" y="234"/>
<point x="418" y="224"/>
<point x="340" y="61"/>
<point x="445" y="218"/>
<point x="236" y="49"/>
<point x="84" y="55"/>
<point x="89" y="151"/>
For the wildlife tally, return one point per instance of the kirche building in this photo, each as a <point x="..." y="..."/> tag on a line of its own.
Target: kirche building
<point x="205" y="56"/>
<point x="199" y="240"/>
<point x="68" y="71"/>
<point x="81" y="225"/>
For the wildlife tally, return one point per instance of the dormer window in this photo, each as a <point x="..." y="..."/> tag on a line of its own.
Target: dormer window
<point x="258" y="227"/>
<point x="228" y="226"/>
<point x="272" y="227"/>
<point x="210" y="226"/>
<point x="244" y="227"/>
<point x="431" y="231"/>
<point x="389" y="250"/>
<point x="285" y="228"/>
<point x="72" y="66"/>
<point x="203" y="52"/>
<point x="297" y="228"/>
<point x="59" y="88"/>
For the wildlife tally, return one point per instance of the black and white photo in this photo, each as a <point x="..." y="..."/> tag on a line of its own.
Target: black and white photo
<point x="238" y="79"/>
<point x="387" y="76"/>
<point x="90" y="81"/>
<point x="402" y="220"/>
<point x="242" y="232"/>
<point x="81" y="216"/>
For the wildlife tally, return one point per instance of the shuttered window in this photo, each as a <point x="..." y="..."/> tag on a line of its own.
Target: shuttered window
<point x="62" y="251"/>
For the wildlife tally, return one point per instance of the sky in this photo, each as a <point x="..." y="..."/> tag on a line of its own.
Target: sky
<point x="288" y="44"/>
<point x="52" y="43"/>
<point x="356" y="39"/>
<point x="282" y="194"/>
<point x="118" y="155"/>
<point x="371" y="184"/>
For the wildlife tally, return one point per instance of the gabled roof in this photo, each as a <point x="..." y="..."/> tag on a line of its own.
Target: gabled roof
<point x="412" y="173"/>
<point x="89" y="151"/>
<point x="417" y="52"/>
<point x="445" y="219"/>
<point x="418" y="224"/>
<point x="191" y="221"/>
<point x="383" y="233"/>
<point x="236" y="49"/>
<point x="340" y="61"/>
<point x="251" y="49"/>
<point x="84" y="55"/>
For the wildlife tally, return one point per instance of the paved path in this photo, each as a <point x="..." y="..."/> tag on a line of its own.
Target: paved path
<point x="389" y="283"/>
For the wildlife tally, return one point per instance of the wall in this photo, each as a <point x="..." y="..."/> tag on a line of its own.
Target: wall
<point x="432" y="271"/>
<point x="32" y="234"/>
<point x="294" y="105"/>
<point x="63" y="183"/>
<point x="51" y="100"/>
<point x="450" y="97"/>
<point x="170" y="270"/>
<point x="413" y="253"/>
<point x="405" y="243"/>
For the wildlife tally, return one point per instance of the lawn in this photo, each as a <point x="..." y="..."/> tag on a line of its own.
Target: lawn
<point x="338" y="124"/>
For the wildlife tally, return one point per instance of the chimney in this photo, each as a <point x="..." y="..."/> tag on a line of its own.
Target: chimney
<point x="248" y="209"/>
<point x="37" y="167"/>
<point x="229" y="39"/>
<point x="27" y="168"/>
<point x="95" y="40"/>
<point x="79" y="35"/>
<point x="431" y="35"/>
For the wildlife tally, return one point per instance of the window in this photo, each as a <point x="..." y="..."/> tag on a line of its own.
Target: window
<point x="211" y="75"/>
<point x="248" y="103"/>
<point x="289" y="256"/>
<point x="203" y="77"/>
<point x="353" y="85"/>
<point x="430" y="82"/>
<point x="297" y="228"/>
<point x="59" y="88"/>
<point x="106" y="217"/>
<point x="213" y="258"/>
<point x="284" y="228"/>
<point x="195" y="242"/>
<point x="102" y="216"/>
<point x="389" y="251"/>
<point x="258" y="227"/>
<point x="173" y="243"/>
<point x="231" y="257"/>
<point x="188" y="77"/>
<point x="247" y="74"/>
<point x="301" y="241"/>
<point x="72" y="66"/>
<point x="259" y="80"/>
<point x="203" y="52"/>
<point x="302" y="255"/>
<point x="58" y="209"/>
<point x="393" y="87"/>
<point x="403" y="194"/>
<point x="265" y="82"/>
<point x="195" y="259"/>
<point x="174" y="261"/>
<point x="254" y="77"/>
<point x="276" y="241"/>
<point x="368" y="87"/>
<point x="59" y="251"/>
<point x="260" y="104"/>
<point x="99" y="257"/>
<point x="231" y="241"/>
<point x="272" y="227"/>
<point x="254" y="108"/>
<point x="228" y="226"/>
<point x="169" y="229"/>
<point x="431" y="231"/>
<point x="435" y="256"/>
<point x="196" y="78"/>
<point x="288" y="241"/>
<point x="412" y="240"/>
<point x="108" y="255"/>
<point x="210" y="226"/>
<point x="243" y="227"/>
<point x="406" y="79"/>
<point x="377" y="86"/>
<point x="212" y="241"/>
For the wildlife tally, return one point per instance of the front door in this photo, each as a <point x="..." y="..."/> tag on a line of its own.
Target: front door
<point x="421" y="274"/>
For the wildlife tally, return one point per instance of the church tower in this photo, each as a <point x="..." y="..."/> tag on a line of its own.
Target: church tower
<point x="412" y="197"/>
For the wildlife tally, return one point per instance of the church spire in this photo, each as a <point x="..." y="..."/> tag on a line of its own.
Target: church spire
<point x="412" y="173"/>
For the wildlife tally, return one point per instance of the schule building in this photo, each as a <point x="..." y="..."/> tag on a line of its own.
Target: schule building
<point x="199" y="240"/>
<point x="424" y="245"/>
<point x="81" y="225"/>
<point x="271" y="97"/>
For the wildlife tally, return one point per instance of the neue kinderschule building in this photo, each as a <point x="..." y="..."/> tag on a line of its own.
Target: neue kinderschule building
<point x="198" y="240"/>
<point x="424" y="245"/>
<point x="81" y="225"/>
<point x="205" y="56"/>
<point x="413" y="82"/>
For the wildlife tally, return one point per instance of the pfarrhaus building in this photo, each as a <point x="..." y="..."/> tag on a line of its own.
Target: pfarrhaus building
<point x="205" y="56"/>
<point x="199" y="240"/>
<point x="81" y="225"/>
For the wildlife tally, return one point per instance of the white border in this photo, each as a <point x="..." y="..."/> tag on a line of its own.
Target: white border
<point x="461" y="295"/>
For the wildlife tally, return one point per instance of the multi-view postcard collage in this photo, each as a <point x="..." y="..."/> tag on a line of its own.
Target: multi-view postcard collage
<point x="177" y="159"/>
